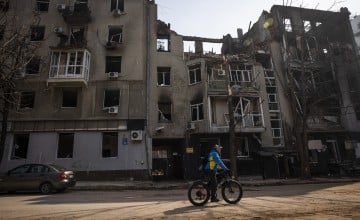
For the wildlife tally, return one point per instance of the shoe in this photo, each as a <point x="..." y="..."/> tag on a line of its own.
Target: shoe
<point x="214" y="200"/>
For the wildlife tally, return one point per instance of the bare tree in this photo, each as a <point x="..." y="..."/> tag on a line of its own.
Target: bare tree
<point x="16" y="51"/>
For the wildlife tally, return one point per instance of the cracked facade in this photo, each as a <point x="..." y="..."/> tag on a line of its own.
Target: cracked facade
<point x="118" y="97"/>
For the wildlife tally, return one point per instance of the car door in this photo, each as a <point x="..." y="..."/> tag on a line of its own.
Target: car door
<point x="36" y="176"/>
<point x="16" y="178"/>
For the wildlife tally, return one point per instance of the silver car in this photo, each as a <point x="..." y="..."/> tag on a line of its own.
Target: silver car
<point x="41" y="177"/>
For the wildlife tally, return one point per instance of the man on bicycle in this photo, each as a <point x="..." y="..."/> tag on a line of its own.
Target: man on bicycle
<point x="213" y="164"/>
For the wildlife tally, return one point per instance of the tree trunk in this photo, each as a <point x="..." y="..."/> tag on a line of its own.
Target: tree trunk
<point x="4" y="122"/>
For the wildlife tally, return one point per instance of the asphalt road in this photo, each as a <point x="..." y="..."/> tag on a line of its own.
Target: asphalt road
<point x="308" y="201"/>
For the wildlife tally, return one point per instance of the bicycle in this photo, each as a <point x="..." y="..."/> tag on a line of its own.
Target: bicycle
<point x="231" y="190"/>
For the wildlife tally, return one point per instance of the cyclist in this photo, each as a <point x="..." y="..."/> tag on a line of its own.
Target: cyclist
<point x="214" y="163"/>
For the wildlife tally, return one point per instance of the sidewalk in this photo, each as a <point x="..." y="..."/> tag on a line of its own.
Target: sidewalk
<point x="252" y="181"/>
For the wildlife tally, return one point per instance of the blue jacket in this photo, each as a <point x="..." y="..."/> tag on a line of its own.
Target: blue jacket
<point x="214" y="161"/>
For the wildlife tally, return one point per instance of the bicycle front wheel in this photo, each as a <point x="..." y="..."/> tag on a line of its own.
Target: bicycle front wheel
<point x="232" y="192"/>
<point x="198" y="193"/>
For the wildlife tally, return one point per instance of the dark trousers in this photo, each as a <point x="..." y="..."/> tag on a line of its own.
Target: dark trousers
<point x="212" y="182"/>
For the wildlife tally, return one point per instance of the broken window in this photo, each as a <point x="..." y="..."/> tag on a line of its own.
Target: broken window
<point x="112" y="98"/>
<point x="37" y="33"/>
<point x="27" y="99"/>
<point x="42" y="5"/>
<point x="110" y="144"/>
<point x="2" y="32"/>
<point x="113" y="64"/>
<point x="163" y="74"/>
<point x="242" y="147"/>
<point x="69" y="98"/>
<point x="117" y="5"/>
<point x="247" y="111"/>
<point x="33" y="67"/>
<point x="20" y="147"/>
<point x="164" y="112"/>
<point x="240" y="74"/>
<point x="307" y="26"/>
<point x="65" y="145"/>
<point x="197" y="112"/>
<point x="287" y="25"/>
<point x="195" y="73"/>
<point x="163" y="43"/>
<point x="4" y="5"/>
<point x="115" y="35"/>
<point x="77" y="36"/>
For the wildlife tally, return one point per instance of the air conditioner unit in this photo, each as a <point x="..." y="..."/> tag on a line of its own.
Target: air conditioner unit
<point x="136" y="135"/>
<point x="113" y="75"/>
<point x="61" y="7"/>
<point x="113" y="110"/>
<point x="59" y="30"/>
<point x="191" y="126"/>
<point x="221" y="72"/>
<point x="116" y="12"/>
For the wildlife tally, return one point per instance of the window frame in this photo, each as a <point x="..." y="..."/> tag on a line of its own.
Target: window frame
<point x="67" y="91"/>
<point x="25" y="104"/>
<point x="199" y="110"/>
<point x="113" y="64"/>
<point x="194" y="72"/>
<point x="39" y="31"/>
<point x="39" y="4"/>
<point x="119" y="5"/>
<point x="165" y="116"/>
<point x="163" y="76"/>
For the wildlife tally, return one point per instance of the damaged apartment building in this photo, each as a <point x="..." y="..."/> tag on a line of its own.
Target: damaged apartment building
<point x="112" y="92"/>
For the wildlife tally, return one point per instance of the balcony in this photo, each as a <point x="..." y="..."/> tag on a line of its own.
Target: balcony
<point x="219" y="87"/>
<point x="69" y="67"/>
<point x="77" y="15"/>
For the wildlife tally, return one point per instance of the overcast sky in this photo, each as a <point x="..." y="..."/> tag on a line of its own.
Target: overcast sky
<point x="215" y="18"/>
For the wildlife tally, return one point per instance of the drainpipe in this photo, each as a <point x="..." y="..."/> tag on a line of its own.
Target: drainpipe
<point x="147" y="77"/>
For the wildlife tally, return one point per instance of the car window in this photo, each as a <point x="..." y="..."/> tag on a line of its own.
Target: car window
<point x="58" y="168"/>
<point x="37" y="169"/>
<point x="20" y="170"/>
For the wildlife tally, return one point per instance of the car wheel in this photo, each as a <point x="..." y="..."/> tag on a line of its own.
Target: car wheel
<point x="46" y="188"/>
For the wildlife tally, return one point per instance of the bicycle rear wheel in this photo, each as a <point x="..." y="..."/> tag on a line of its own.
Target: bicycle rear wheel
<point x="198" y="193"/>
<point x="232" y="192"/>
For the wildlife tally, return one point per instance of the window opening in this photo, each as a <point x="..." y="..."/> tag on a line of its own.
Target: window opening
<point x="65" y="145"/>
<point x="113" y="64"/>
<point x="112" y="98"/>
<point x="4" y="5"/>
<point x="110" y="144"/>
<point x="70" y="64"/>
<point x="20" y="170"/>
<point x="27" y="100"/>
<point x="69" y="98"/>
<point x="195" y="73"/>
<point x="197" y="112"/>
<point x="115" y="35"/>
<point x="307" y="26"/>
<point x="77" y="36"/>
<point x="288" y="26"/>
<point x="37" y="33"/>
<point x="163" y="74"/>
<point x="117" y="4"/>
<point x="242" y="147"/>
<point x="2" y="32"/>
<point x="163" y="43"/>
<point x="33" y="67"/>
<point x="42" y="5"/>
<point x="240" y="74"/>
<point x="20" y="147"/>
<point x="164" y="112"/>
